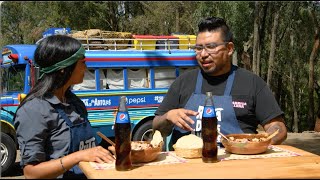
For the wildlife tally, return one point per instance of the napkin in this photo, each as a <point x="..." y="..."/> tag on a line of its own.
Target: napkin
<point x="272" y="152"/>
<point x="163" y="158"/>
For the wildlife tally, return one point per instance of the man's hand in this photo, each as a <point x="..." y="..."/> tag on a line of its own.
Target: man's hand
<point x="274" y="125"/>
<point x="180" y="117"/>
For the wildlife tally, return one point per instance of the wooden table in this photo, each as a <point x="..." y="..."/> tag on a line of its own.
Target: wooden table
<point x="305" y="166"/>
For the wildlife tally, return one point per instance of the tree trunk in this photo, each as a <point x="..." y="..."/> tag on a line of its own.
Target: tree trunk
<point x="245" y="56"/>
<point x="279" y="88"/>
<point x="256" y="38"/>
<point x="292" y="88"/>
<point x="258" y="58"/>
<point x="294" y="107"/>
<point x="262" y="18"/>
<point x="311" y="70"/>
<point x="273" y="47"/>
<point x="317" y="124"/>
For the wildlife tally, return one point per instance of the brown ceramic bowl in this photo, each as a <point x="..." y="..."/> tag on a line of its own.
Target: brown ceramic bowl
<point x="143" y="152"/>
<point x="251" y="143"/>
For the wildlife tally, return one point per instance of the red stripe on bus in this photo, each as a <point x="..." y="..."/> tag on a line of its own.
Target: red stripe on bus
<point x="141" y="59"/>
<point x="5" y="105"/>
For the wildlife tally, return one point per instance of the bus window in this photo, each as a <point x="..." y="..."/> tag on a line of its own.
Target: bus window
<point x="89" y="82"/>
<point x="13" y="78"/>
<point x="115" y="78"/>
<point x="137" y="78"/>
<point x="164" y="77"/>
<point x="103" y="79"/>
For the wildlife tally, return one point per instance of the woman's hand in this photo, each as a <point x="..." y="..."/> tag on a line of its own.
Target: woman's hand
<point x="112" y="149"/>
<point x="96" y="154"/>
<point x="53" y="168"/>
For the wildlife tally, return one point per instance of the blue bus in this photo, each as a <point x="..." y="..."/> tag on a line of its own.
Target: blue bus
<point x="142" y="75"/>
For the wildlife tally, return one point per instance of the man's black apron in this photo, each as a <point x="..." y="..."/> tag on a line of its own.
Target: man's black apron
<point x="82" y="137"/>
<point x="227" y="121"/>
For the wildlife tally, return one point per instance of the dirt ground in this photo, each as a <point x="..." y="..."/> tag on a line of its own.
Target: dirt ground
<point x="308" y="141"/>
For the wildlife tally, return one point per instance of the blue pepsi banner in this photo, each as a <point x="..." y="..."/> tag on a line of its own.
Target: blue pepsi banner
<point x="136" y="100"/>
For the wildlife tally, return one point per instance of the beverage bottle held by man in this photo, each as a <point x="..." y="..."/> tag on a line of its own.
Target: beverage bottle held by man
<point x="209" y="131"/>
<point x="122" y="128"/>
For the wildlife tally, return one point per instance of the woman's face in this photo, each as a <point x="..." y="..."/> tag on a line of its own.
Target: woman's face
<point x="78" y="73"/>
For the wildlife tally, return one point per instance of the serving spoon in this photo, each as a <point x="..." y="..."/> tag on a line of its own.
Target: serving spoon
<point x="106" y="139"/>
<point x="272" y="135"/>
<point x="223" y="136"/>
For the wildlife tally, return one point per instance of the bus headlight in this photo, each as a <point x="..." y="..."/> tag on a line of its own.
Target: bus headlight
<point x="21" y="97"/>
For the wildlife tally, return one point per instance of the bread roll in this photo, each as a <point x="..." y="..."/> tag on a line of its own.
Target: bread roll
<point x="190" y="141"/>
<point x="157" y="139"/>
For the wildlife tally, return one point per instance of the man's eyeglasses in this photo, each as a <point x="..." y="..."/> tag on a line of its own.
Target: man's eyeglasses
<point x="210" y="47"/>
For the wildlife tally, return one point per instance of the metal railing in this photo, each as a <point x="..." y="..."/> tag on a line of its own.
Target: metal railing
<point x="135" y="44"/>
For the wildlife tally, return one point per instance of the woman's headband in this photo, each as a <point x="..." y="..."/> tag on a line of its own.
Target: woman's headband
<point x="65" y="63"/>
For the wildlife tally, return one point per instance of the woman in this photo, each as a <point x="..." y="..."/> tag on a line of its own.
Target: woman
<point x="53" y="131"/>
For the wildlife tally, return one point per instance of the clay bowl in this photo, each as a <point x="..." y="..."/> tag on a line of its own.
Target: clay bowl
<point x="246" y="143"/>
<point x="143" y="152"/>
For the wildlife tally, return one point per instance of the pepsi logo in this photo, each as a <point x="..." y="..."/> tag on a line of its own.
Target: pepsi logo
<point x="209" y="111"/>
<point x="122" y="116"/>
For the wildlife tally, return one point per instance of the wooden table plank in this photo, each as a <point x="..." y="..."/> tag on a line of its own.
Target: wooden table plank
<point x="304" y="166"/>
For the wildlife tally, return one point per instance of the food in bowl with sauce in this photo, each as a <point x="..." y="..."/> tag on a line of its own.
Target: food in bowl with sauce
<point x="244" y="140"/>
<point x="140" y="145"/>
<point x="246" y="143"/>
<point x="143" y="152"/>
<point x="146" y="151"/>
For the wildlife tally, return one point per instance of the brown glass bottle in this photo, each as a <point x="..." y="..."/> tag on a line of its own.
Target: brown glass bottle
<point x="122" y="130"/>
<point x="209" y="131"/>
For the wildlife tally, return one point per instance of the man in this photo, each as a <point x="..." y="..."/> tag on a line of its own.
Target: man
<point x="242" y="99"/>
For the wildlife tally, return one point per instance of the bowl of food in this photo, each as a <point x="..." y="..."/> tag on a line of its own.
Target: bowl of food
<point x="146" y="151"/>
<point x="246" y="143"/>
<point x="188" y="146"/>
<point x="143" y="151"/>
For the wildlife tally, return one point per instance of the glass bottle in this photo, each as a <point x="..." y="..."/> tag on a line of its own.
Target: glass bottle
<point x="209" y="131"/>
<point x="122" y="128"/>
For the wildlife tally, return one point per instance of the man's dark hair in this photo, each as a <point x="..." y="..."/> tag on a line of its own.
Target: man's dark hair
<point x="215" y="24"/>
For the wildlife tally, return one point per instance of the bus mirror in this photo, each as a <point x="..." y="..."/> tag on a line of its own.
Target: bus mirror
<point x="14" y="57"/>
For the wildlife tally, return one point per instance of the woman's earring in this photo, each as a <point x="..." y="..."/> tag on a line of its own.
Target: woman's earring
<point x="62" y="71"/>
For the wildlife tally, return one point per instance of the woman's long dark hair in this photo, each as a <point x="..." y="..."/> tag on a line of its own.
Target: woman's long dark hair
<point x="50" y="51"/>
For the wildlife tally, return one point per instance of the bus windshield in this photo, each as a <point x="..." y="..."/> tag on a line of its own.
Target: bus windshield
<point x="13" y="78"/>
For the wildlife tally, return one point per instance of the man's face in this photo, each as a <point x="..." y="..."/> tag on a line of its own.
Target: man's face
<point x="215" y="56"/>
